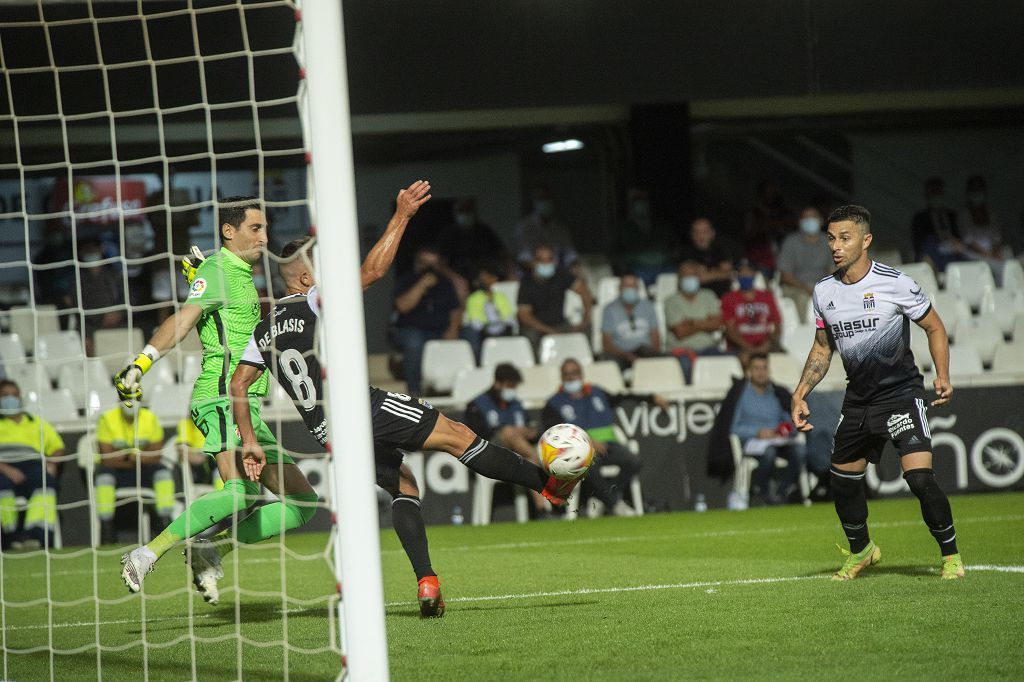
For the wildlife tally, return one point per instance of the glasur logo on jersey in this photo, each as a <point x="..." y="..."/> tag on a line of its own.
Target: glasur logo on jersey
<point x="853" y="327"/>
<point x="869" y="301"/>
<point x="198" y="287"/>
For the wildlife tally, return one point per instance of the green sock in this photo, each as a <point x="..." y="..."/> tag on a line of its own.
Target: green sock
<point x="205" y="512"/>
<point x="266" y="522"/>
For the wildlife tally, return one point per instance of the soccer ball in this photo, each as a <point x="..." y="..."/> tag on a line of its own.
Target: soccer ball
<point x="565" y="451"/>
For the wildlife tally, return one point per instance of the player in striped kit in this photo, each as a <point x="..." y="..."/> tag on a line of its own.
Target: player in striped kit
<point x="864" y="310"/>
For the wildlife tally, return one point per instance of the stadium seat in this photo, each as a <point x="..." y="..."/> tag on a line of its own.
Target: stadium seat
<point x="540" y="382"/>
<point x="191" y="367"/>
<point x="836" y="377"/>
<point x="969" y="281"/>
<point x="607" y="375"/>
<point x="1018" y="328"/>
<point x="27" y="323"/>
<point x="745" y="468"/>
<point x="1004" y="305"/>
<point x="799" y="339"/>
<point x="785" y="369"/>
<point x="516" y="350"/>
<point x="923" y="274"/>
<point x="162" y="372"/>
<point x="114" y="345"/>
<point x="11" y="350"/>
<point x="442" y="360"/>
<point x="790" y="315"/>
<point x="471" y="382"/>
<point x="29" y="376"/>
<point x="170" y="401"/>
<point x="511" y="290"/>
<point x="890" y="257"/>
<point x="964" y="361"/>
<point x="955" y="312"/>
<point x="191" y="343"/>
<point x="657" y="375"/>
<point x="53" y="349"/>
<point x="54" y="405"/>
<point x="1013" y="275"/>
<point x="572" y="307"/>
<point x="666" y="285"/>
<point x="985" y="334"/>
<point x="1009" y="359"/>
<point x="919" y="347"/>
<point x="483" y="501"/>
<point x="556" y="348"/>
<point x="596" y="336"/>
<point x="594" y="268"/>
<point x="716" y="372"/>
<point x="82" y="377"/>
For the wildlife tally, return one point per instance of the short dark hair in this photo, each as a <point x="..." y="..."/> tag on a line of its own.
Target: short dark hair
<point x="506" y="373"/>
<point x="858" y="215"/>
<point x="4" y="383"/>
<point x="757" y="356"/>
<point x="292" y="247"/>
<point x="232" y="209"/>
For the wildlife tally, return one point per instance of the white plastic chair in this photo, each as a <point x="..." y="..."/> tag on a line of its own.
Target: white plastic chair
<point x="1004" y="305"/>
<point x="923" y="274"/>
<point x="191" y="367"/>
<point x="1013" y="275"/>
<point x="954" y="311"/>
<point x="26" y="321"/>
<point x="657" y="375"/>
<point x="11" y="350"/>
<point x="969" y="280"/>
<point x="471" y="382"/>
<point x="785" y="369"/>
<point x="82" y="377"/>
<point x="890" y="257"/>
<point x="56" y="348"/>
<point x="716" y="372"/>
<point x="169" y="401"/>
<point x="790" y="315"/>
<point x="607" y="375"/>
<point x="556" y="348"/>
<point x="540" y="382"/>
<point x="1009" y="359"/>
<point x="516" y="350"/>
<point x="572" y="307"/>
<point x="483" y="501"/>
<point x="665" y="285"/>
<point x="442" y="360"/>
<point x="745" y="468"/>
<point x="985" y="334"/>
<point x="964" y="361"/>
<point x="919" y="347"/>
<point x="511" y="290"/>
<point x="29" y="376"/>
<point x="1018" y="328"/>
<point x="53" y="405"/>
<point x="799" y="338"/>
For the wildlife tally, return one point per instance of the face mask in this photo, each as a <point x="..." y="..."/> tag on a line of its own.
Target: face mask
<point x="640" y="210"/>
<point x="89" y="257"/>
<point x="976" y="198"/>
<point x="544" y="270"/>
<point x="544" y="207"/>
<point x="810" y="225"/>
<point x="508" y="394"/>
<point x="259" y="281"/>
<point x="746" y="282"/>
<point x="574" y="386"/>
<point x="465" y="219"/>
<point x="689" y="284"/>
<point x="630" y="296"/>
<point x="10" y="404"/>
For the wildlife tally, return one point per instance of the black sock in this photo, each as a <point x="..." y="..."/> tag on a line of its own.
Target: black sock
<point x="502" y="464"/>
<point x="852" y="507"/>
<point x="408" y="523"/>
<point x="934" y="508"/>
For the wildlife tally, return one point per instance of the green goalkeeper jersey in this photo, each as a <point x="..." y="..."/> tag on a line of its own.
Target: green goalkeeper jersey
<point x="231" y="309"/>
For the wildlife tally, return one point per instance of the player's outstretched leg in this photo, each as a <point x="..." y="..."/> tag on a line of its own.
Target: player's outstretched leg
<point x="412" y="532"/>
<point x="200" y="515"/>
<point x="852" y="508"/>
<point x="938" y="517"/>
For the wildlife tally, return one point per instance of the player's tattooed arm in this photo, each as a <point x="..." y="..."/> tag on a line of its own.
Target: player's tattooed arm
<point x="818" y="362"/>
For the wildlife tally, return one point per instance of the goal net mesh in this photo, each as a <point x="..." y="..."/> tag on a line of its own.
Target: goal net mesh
<point x="121" y="126"/>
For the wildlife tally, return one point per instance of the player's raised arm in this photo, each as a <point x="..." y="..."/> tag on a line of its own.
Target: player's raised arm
<point x="938" y="346"/>
<point x="168" y="335"/>
<point x="383" y="252"/>
<point x="818" y="362"/>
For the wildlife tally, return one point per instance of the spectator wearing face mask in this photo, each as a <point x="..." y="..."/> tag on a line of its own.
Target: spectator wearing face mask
<point x="542" y="227"/>
<point x="804" y="259"/>
<point x="643" y="242"/>
<point x="707" y="249"/>
<point x="692" y="316"/>
<point x="629" y="326"/>
<point x="488" y="312"/>
<point x="751" y="316"/>
<point x="541" y="304"/>
<point x="101" y="291"/>
<point x="934" y="230"/>
<point x="499" y="417"/>
<point x="979" y="227"/>
<point x="467" y="243"/>
<point x="130" y="440"/>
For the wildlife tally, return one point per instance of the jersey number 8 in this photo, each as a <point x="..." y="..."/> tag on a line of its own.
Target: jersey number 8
<point x="295" y="369"/>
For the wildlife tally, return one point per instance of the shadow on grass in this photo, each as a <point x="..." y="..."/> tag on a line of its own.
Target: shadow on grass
<point x="224" y="614"/>
<point x="128" y="665"/>
<point x="880" y="570"/>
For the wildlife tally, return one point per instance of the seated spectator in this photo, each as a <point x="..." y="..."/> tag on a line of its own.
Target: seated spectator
<point x="542" y="227"/>
<point x="130" y="440"/>
<point x="488" y="312"/>
<point x="707" y="249"/>
<point x="804" y="259"/>
<point x="591" y="408"/>
<point x="692" y="316"/>
<point x="26" y="441"/>
<point x="498" y="416"/>
<point x="758" y="412"/>
<point x="934" y="231"/>
<point x="426" y="308"/>
<point x="190" y="442"/>
<point x="644" y="242"/>
<point x="629" y="326"/>
<point x="751" y="317"/>
<point x="766" y="224"/>
<point x="468" y="244"/>
<point x="980" y="229"/>
<point x="101" y="290"/>
<point x="541" y="304"/>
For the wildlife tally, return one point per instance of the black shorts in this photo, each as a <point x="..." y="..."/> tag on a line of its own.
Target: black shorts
<point x="400" y="423"/>
<point x="864" y="430"/>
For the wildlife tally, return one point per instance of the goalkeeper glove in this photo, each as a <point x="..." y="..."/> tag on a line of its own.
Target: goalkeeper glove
<point x="127" y="380"/>
<point x="189" y="265"/>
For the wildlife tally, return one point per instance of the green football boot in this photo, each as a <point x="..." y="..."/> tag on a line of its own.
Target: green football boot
<point x="855" y="563"/>
<point x="952" y="567"/>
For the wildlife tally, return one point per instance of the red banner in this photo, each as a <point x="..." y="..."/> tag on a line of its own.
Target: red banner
<point x="95" y="199"/>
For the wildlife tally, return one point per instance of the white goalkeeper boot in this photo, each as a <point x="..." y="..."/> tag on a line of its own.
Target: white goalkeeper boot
<point x="135" y="565"/>
<point x="204" y="560"/>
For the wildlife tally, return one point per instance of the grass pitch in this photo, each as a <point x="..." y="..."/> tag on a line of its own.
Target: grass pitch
<point x="669" y="596"/>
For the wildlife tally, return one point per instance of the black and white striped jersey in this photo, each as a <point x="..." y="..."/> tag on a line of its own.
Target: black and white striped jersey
<point x="868" y="322"/>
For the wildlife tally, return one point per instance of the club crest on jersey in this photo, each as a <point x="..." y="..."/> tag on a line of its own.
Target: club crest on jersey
<point x="869" y="301"/>
<point x="198" y="287"/>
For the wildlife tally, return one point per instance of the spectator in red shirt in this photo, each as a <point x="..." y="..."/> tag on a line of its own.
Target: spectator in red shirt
<point x="751" y="317"/>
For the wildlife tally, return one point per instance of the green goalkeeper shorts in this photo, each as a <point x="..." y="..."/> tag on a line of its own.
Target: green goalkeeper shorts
<point x="213" y="418"/>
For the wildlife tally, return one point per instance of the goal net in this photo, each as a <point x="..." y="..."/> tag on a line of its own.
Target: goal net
<point x="122" y="124"/>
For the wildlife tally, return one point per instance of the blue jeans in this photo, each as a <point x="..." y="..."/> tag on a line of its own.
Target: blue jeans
<point x="610" y="491"/>
<point x="794" y="454"/>
<point x="411" y="340"/>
